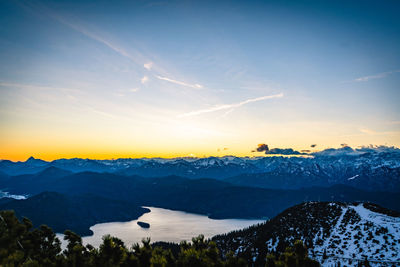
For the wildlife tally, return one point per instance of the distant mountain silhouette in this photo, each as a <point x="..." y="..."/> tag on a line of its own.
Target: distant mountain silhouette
<point x="54" y="172"/>
<point x="35" y="162"/>
<point x="367" y="169"/>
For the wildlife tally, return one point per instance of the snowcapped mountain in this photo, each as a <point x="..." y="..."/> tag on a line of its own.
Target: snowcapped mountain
<point x="333" y="232"/>
<point x="366" y="172"/>
<point x="370" y="169"/>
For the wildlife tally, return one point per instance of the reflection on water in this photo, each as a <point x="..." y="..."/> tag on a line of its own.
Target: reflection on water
<point x="165" y="225"/>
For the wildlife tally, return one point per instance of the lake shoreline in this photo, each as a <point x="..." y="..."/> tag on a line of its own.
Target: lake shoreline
<point x="165" y="225"/>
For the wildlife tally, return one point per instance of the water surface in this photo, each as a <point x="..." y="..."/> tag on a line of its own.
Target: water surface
<point x="165" y="225"/>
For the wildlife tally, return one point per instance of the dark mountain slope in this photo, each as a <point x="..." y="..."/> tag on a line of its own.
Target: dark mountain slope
<point x="34" y="183"/>
<point x="54" y="172"/>
<point x="3" y="177"/>
<point x="214" y="198"/>
<point x="77" y="213"/>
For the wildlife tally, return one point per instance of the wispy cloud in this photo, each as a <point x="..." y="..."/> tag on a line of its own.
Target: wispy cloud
<point x="376" y="76"/>
<point x="368" y="131"/>
<point x="229" y="106"/>
<point x="100" y="112"/>
<point x="372" y="132"/>
<point x="196" y="86"/>
<point x="50" y="94"/>
<point x="25" y="86"/>
<point x="37" y="87"/>
<point x="393" y="122"/>
<point x="95" y="37"/>
<point x="134" y="55"/>
<point x="144" y="80"/>
<point x="72" y="23"/>
<point x="148" y="66"/>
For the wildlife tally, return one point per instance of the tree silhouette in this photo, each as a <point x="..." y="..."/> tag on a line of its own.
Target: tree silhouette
<point x="20" y="245"/>
<point x="295" y="256"/>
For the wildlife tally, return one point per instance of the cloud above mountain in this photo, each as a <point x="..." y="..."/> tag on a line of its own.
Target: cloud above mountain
<point x="378" y="149"/>
<point x="346" y="150"/>
<point x="262" y="147"/>
<point x="277" y="151"/>
<point x="284" y="151"/>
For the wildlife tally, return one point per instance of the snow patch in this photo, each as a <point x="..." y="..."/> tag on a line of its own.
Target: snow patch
<point x="358" y="234"/>
<point x="353" y="177"/>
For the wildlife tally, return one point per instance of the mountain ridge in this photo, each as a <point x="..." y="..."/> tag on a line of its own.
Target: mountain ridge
<point x="345" y="233"/>
<point x="368" y="171"/>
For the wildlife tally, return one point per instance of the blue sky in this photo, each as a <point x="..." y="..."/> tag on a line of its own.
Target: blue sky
<point x="173" y="78"/>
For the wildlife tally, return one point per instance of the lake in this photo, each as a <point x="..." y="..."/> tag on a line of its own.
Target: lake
<point x="165" y="225"/>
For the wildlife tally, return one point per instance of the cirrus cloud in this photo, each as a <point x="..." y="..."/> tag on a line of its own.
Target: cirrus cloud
<point x="196" y="86"/>
<point x="148" y="65"/>
<point x="375" y="76"/>
<point x="144" y="80"/>
<point x="229" y="106"/>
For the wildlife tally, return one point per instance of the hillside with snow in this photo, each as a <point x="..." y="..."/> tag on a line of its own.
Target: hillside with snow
<point x="333" y="232"/>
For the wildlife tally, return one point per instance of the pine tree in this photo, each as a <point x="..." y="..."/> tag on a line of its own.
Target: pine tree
<point x="294" y="256"/>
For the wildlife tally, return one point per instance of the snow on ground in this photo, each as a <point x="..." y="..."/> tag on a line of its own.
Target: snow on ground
<point x="361" y="233"/>
<point x="272" y="245"/>
<point x="353" y="177"/>
<point x="4" y="194"/>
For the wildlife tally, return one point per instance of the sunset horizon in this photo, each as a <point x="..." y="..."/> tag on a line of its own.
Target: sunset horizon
<point x="223" y="152"/>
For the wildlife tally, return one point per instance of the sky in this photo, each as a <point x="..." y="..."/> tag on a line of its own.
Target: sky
<point x="110" y="79"/>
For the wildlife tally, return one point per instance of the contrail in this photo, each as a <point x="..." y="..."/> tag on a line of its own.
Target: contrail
<point x="229" y="106"/>
<point x="196" y="86"/>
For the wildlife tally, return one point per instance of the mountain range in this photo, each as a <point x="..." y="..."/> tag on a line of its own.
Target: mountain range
<point x="368" y="169"/>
